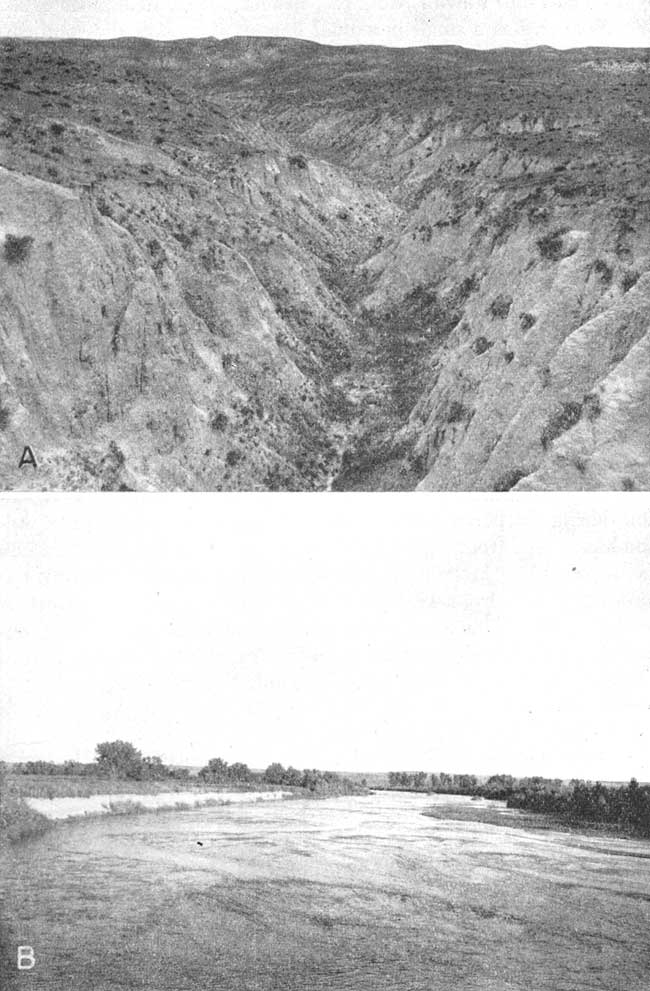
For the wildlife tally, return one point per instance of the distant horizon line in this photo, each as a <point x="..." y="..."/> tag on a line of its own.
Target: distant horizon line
<point x="260" y="770"/>
<point x="321" y="44"/>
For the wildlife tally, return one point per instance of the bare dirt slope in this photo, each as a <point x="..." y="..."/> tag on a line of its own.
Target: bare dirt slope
<point x="269" y="264"/>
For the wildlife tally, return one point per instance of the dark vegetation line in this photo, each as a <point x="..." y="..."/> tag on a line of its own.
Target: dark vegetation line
<point x="624" y="807"/>
<point x="120" y="760"/>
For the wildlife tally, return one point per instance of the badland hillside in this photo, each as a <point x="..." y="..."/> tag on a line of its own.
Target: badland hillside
<point x="268" y="264"/>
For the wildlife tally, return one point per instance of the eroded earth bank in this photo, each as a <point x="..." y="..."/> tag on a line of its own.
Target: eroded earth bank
<point x="269" y="264"/>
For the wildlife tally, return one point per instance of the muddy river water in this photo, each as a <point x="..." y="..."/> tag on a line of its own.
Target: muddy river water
<point x="346" y="893"/>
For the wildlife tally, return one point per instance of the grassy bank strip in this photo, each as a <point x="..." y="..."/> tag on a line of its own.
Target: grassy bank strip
<point x="69" y="786"/>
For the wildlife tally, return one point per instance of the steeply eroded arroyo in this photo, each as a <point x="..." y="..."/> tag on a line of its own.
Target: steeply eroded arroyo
<point x="269" y="264"/>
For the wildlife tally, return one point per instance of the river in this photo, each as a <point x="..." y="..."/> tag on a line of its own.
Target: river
<point x="345" y="893"/>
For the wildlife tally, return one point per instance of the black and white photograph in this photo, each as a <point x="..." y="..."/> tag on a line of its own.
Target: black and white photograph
<point x="309" y="246"/>
<point x="269" y="722"/>
<point x="398" y="750"/>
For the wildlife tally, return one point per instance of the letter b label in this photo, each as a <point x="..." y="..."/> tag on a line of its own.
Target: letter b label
<point x="26" y="958"/>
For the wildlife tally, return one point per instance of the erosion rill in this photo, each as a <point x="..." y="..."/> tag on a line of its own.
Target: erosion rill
<point x="269" y="264"/>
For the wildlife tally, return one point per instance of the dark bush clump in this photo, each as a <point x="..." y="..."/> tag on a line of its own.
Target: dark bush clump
<point x="469" y="285"/>
<point x="500" y="306"/>
<point x="219" y="422"/>
<point x="233" y="458"/>
<point x="57" y="129"/>
<point x="183" y="239"/>
<point x="481" y="345"/>
<point x="563" y="420"/>
<point x="550" y="246"/>
<point x="509" y="480"/>
<point x="298" y="161"/>
<point x="457" y="412"/>
<point x="5" y="417"/>
<point x="604" y="271"/>
<point x="17" y="248"/>
<point x="527" y="320"/>
<point x="592" y="406"/>
<point x="629" y="280"/>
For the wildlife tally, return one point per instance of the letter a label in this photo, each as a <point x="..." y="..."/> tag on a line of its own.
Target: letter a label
<point x="27" y="458"/>
<point x="26" y="958"/>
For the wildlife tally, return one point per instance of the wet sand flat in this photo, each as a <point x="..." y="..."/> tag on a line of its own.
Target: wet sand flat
<point x="342" y="894"/>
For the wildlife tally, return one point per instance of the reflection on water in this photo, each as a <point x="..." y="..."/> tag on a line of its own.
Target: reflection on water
<point x="344" y="893"/>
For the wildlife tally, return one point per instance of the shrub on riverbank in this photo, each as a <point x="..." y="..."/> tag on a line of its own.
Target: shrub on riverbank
<point x="626" y="807"/>
<point x="17" y="820"/>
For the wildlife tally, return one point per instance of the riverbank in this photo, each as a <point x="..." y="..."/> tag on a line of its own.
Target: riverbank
<point x="22" y="818"/>
<point x="31" y="806"/>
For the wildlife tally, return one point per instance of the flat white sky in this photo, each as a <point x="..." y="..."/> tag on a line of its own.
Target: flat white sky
<point x="448" y="632"/>
<point x="472" y="23"/>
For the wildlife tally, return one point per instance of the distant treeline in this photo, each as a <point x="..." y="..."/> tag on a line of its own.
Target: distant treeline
<point x="115" y="759"/>
<point x="498" y="786"/>
<point x="119" y="759"/>
<point x="624" y="806"/>
<point x="218" y="771"/>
